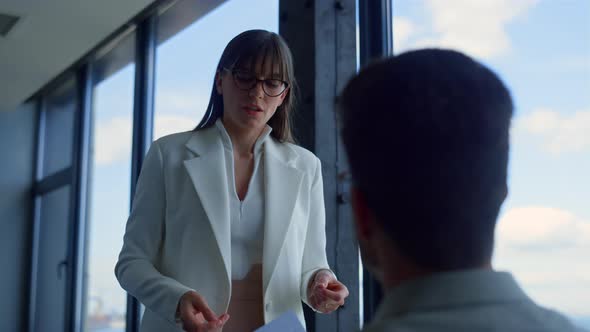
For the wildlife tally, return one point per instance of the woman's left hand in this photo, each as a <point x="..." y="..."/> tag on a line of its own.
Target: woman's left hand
<point x="325" y="293"/>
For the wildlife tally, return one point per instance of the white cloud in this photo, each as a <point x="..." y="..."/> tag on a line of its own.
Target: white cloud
<point x="542" y="228"/>
<point x="403" y="29"/>
<point x="475" y="27"/>
<point x="547" y="250"/>
<point x="176" y="111"/>
<point x="181" y="102"/>
<point x="557" y="133"/>
<point x="112" y="140"/>
<point x="169" y="124"/>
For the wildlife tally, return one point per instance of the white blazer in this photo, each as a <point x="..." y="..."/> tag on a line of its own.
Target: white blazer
<point x="177" y="236"/>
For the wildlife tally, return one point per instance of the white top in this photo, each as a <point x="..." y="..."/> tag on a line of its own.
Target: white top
<point x="247" y="216"/>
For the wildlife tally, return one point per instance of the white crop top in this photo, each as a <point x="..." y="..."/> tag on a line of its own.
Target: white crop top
<point x="247" y="216"/>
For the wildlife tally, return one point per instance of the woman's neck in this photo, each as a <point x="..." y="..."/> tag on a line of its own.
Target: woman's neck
<point x="242" y="140"/>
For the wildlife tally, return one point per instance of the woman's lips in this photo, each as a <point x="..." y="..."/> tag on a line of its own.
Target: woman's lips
<point x="252" y="109"/>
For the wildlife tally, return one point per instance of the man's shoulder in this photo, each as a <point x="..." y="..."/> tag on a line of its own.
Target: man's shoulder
<point x="385" y="326"/>
<point x="556" y="321"/>
<point x="541" y="320"/>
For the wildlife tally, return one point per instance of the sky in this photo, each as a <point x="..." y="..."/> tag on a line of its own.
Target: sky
<point x="539" y="48"/>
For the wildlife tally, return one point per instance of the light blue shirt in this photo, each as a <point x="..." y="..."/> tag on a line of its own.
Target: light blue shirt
<point x="469" y="300"/>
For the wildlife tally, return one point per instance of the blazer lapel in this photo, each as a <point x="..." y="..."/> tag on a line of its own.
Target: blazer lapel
<point x="282" y="182"/>
<point x="208" y="174"/>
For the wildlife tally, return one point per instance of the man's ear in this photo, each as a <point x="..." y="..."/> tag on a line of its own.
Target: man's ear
<point x="218" y="81"/>
<point x="363" y="218"/>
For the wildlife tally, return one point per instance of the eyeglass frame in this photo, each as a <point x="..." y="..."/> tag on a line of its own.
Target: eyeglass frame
<point x="233" y="73"/>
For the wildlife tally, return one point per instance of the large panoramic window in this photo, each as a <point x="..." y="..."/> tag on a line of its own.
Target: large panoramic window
<point x="109" y="185"/>
<point x="541" y="50"/>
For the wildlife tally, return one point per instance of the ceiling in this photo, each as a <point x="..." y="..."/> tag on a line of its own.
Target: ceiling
<point x="50" y="36"/>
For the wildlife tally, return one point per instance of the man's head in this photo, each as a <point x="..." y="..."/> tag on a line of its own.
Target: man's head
<point x="427" y="136"/>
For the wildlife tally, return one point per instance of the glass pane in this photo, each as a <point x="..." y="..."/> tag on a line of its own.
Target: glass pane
<point x="51" y="264"/>
<point x="60" y="108"/>
<point x="186" y="62"/>
<point x="541" y="50"/>
<point x="109" y="187"/>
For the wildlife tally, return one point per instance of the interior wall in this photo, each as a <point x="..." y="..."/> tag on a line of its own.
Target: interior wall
<point x="17" y="148"/>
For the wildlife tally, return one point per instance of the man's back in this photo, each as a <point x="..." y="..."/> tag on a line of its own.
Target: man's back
<point x="470" y="300"/>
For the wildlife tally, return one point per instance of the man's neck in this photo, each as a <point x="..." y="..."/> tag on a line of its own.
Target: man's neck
<point x="393" y="279"/>
<point x="395" y="274"/>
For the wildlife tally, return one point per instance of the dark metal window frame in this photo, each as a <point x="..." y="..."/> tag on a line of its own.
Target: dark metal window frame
<point x="44" y="185"/>
<point x="375" y="29"/>
<point x="143" y="113"/>
<point x="376" y="41"/>
<point x="74" y="176"/>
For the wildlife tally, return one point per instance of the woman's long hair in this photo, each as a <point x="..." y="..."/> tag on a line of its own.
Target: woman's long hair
<point x="246" y="49"/>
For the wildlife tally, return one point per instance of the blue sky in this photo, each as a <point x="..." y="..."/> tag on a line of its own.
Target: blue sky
<point x="541" y="49"/>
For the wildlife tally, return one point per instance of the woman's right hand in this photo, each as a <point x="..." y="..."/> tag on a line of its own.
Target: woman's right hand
<point x="196" y="316"/>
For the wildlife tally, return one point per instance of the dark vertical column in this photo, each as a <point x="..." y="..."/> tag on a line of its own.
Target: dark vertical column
<point x="143" y="113"/>
<point x="375" y="30"/>
<point x="376" y="41"/>
<point x="38" y="174"/>
<point x="80" y="167"/>
<point x="347" y="252"/>
<point x="70" y="264"/>
<point x="322" y="37"/>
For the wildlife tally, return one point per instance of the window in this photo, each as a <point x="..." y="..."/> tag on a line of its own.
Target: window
<point x="541" y="50"/>
<point x="59" y="128"/>
<point x="52" y="262"/>
<point x="109" y="185"/>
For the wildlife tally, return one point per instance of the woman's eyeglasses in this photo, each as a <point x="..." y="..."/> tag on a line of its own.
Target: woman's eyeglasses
<point x="246" y="81"/>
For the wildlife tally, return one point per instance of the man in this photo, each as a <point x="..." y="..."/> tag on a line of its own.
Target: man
<point x="427" y="136"/>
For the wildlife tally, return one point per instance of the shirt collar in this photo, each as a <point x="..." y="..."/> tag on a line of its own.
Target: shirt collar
<point x="227" y="140"/>
<point x="448" y="289"/>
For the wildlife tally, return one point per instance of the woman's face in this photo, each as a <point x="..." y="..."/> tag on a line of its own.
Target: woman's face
<point x="248" y="109"/>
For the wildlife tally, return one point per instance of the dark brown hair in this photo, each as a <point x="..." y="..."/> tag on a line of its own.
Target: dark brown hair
<point x="243" y="51"/>
<point x="426" y="134"/>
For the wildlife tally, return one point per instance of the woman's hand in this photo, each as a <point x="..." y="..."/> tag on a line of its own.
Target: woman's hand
<point x="196" y="316"/>
<point x="325" y="293"/>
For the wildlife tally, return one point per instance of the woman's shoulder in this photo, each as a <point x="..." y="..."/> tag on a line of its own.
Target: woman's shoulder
<point x="304" y="156"/>
<point x="301" y="151"/>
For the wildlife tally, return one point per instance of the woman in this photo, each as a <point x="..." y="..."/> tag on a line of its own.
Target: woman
<point x="228" y="219"/>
